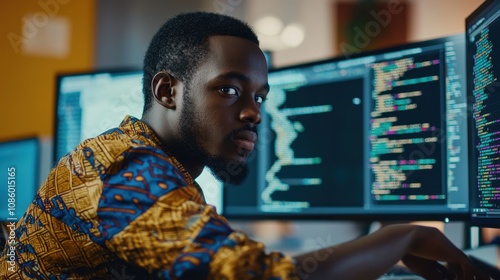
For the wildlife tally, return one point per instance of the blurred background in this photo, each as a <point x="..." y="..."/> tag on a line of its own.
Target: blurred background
<point x="43" y="38"/>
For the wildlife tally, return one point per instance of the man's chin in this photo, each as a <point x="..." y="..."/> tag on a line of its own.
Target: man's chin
<point x="231" y="172"/>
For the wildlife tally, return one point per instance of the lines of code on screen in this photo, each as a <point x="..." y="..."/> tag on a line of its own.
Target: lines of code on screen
<point x="486" y="90"/>
<point x="406" y="134"/>
<point x="317" y="146"/>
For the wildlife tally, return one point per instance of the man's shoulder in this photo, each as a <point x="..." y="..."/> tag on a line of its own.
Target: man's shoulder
<point x="109" y="151"/>
<point x="113" y="143"/>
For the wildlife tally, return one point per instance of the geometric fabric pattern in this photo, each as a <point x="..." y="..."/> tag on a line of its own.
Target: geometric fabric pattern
<point x="120" y="206"/>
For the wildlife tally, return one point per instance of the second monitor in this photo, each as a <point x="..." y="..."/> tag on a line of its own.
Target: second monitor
<point x="382" y="135"/>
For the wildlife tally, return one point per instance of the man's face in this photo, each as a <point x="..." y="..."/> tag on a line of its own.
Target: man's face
<point x="221" y="106"/>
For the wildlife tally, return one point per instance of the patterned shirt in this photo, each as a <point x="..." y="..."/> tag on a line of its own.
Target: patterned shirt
<point x="120" y="207"/>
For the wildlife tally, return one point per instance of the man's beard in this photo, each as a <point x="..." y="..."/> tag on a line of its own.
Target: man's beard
<point x="227" y="171"/>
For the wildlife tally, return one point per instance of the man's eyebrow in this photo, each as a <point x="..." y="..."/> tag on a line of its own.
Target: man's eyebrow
<point x="241" y="77"/>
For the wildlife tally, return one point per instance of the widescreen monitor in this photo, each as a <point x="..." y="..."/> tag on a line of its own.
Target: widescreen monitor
<point x="19" y="165"/>
<point x="379" y="135"/>
<point x="90" y="103"/>
<point x="483" y="90"/>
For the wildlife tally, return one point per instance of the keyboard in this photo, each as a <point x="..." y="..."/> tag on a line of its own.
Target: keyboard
<point x="398" y="272"/>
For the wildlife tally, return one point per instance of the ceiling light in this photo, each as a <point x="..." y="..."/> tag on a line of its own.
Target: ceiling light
<point x="293" y="34"/>
<point x="269" y="25"/>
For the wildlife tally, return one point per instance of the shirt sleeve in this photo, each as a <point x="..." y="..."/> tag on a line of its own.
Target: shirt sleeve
<point x="150" y="217"/>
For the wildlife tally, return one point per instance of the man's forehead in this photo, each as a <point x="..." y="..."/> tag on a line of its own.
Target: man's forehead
<point x="232" y="50"/>
<point x="227" y="45"/>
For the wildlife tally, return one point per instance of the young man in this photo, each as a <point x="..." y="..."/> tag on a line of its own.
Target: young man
<point x="124" y="204"/>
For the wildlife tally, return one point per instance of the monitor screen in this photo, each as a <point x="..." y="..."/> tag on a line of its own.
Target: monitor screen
<point x="381" y="135"/>
<point x="19" y="165"/>
<point x="90" y="103"/>
<point x="483" y="68"/>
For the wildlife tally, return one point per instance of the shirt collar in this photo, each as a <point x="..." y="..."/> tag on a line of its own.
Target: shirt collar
<point x="135" y="127"/>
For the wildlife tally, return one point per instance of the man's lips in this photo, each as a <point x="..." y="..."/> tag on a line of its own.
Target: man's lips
<point x="246" y="139"/>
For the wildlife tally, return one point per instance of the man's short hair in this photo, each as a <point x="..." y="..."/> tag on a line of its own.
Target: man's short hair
<point x="181" y="44"/>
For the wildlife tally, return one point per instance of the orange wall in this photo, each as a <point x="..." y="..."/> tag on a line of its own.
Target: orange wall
<point x="27" y="80"/>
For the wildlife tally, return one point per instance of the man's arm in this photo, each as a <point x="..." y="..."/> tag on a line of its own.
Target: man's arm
<point x="152" y="219"/>
<point x="368" y="257"/>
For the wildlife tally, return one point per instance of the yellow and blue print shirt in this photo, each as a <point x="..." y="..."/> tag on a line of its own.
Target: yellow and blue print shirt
<point x="120" y="207"/>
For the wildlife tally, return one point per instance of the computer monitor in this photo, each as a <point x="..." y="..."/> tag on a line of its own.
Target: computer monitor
<point x="382" y="135"/>
<point x="89" y="103"/>
<point x="483" y="88"/>
<point x="19" y="165"/>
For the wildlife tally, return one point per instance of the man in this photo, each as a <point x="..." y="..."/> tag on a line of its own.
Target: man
<point x="124" y="204"/>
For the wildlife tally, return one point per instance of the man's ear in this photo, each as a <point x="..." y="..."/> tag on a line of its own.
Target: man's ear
<point x="162" y="86"/>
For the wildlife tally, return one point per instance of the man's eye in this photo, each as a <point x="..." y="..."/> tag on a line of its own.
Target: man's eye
<point x="229" y="90"/>
<point x="259" y="99"/>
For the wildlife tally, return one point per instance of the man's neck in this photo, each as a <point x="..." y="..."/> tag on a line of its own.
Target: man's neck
<point x="173" y="146"/>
